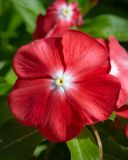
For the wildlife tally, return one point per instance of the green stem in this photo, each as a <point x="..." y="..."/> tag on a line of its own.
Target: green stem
<point x="50" y="146"/>
<point x="98" y="142"/>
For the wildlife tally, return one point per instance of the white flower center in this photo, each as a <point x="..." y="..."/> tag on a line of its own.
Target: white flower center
<point x="114" y="69"/>
<point x="63" y="80"/>
<point x="65" y="12"/>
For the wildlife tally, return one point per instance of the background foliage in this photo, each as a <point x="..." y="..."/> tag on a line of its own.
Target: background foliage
<point x="17" y="22"/>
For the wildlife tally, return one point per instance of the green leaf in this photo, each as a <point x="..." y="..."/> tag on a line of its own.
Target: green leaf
<point x="0" y="7"/>
<point x="28" y="10"/>
<point x="5" y="113"/>
<point x="83" y="147"/>
<point x="113" y="116"/>
<point x="4" y="86"/>
<point x="47" y="3"/>
<point x="17" y="142"/>
<point x="14" y="22"/>
<point x="105" y="25"/>
<point x="111" y="147"/>
<point x="39" y="149"/>
<point x="110" y="157"/>
<point x="3" y="7"/>
<point x="11" y="77"/>
<point x="2" y="63"/>
<point x="86" y="5"/>
<point x="115" y="143"/>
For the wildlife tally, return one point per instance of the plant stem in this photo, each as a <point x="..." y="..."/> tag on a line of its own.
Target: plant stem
<point x="50" y="146"/>
<point x="98" y="142"/>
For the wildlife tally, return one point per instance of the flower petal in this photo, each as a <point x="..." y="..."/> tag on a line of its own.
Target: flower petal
<point x="54" y="24"/>
<point x="58" y="29"/>
<point x="95" y="96"/>
<point x="103" y="42"/>
<point x="62" y="121"/>
<point x="46" y="25"/>
<point x="37" y="59"/>
<point x="119" y="61"/>
<point x="41" y="28"/>
<point x="27" y="100"/>
<point x="117" y="51"/>
<point x="57" y="3"/>
<point x="123" y="111"/>
<point x="83" y="54"/>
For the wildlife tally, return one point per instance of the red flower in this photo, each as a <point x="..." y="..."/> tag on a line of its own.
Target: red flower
<point x="59" y="18"/>
<point x="119" y="62"/>
<point x="119" y="67"/>
<point x="123" y="111"/>
<point x="63" y="86"/>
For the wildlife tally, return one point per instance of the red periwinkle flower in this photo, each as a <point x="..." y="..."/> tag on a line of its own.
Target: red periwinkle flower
<point x="119" y="67"/>
<point x="119" y="62"/>
<point x="123" y="111"/>
<point x="60" y="17"/>
<point x="63" y="86"/>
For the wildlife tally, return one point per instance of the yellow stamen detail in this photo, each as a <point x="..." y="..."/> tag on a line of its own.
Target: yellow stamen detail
<point x="65" y="12"/>
<point x="59" y="82"/>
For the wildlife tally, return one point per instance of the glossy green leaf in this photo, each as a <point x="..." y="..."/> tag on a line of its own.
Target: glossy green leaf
<point x="4" y="86"/>
<point x="105" y="25"/>
<point x="28" y="10"/>
<point x="83" y="147"/>
<point x="17" y="142"/>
